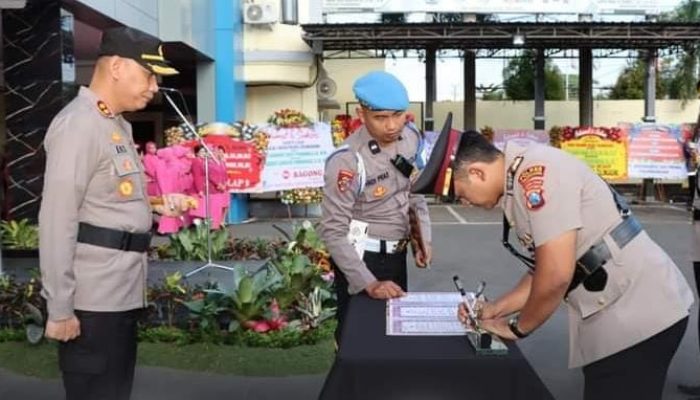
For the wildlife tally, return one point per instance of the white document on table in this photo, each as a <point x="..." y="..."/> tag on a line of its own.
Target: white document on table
<point x="425" y="314"/>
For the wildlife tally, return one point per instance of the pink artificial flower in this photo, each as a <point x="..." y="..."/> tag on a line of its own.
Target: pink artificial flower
<point x="328" y="276"/>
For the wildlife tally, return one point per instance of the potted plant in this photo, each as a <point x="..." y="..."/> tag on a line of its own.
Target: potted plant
<point x="20" y="239"/>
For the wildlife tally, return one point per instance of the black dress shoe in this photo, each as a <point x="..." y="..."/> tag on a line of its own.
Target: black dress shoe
<point x="689" y="389"/>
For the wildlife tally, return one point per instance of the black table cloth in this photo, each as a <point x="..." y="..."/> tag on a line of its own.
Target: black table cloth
<point x="371" y="365"/>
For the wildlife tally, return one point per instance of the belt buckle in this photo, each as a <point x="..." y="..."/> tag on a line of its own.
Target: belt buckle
<point x="400" y="245"/>
<point x="584" y="268"/>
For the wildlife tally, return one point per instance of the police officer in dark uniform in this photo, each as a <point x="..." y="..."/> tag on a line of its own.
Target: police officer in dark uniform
<point x="366" y="196"/>
<point x="95" y="219"/>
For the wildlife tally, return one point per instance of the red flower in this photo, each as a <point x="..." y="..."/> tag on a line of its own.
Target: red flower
<point x="261" y="326"/>
<point x="354" y="125"/>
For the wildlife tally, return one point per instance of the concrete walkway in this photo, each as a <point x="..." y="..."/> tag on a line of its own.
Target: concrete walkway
<point x="168" y="384"/>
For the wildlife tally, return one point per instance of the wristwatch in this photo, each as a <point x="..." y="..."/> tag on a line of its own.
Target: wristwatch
<point x="513" y="325"/>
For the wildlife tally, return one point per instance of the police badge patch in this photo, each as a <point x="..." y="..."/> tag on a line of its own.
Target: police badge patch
<point x="345" y="178"/>
<point x="532" y="180"/>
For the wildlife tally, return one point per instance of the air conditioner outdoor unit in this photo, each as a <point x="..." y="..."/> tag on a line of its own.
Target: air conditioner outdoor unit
<point x="261" y="12"/>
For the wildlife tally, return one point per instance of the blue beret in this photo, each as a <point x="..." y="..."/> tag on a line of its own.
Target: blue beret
<point x="381" y="91"/>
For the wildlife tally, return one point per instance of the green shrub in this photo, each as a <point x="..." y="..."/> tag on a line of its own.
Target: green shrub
<point x="19" y="235"/>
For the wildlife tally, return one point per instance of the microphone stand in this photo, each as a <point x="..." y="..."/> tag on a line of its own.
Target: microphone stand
<point x="207" y="211"/>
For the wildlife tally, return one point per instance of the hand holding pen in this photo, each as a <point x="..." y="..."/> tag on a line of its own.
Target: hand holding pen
<point x="466" y="308"/>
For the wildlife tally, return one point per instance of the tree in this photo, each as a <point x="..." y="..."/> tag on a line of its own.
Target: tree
<point x="495" y="95"/>
<point x="685" y="76"/>
<point x="519" y="79"/>
<point x="630" y="83"/>
<point x="677" y="77"/>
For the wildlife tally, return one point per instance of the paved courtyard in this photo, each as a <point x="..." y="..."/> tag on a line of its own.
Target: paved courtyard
<point x="466" y="242"/>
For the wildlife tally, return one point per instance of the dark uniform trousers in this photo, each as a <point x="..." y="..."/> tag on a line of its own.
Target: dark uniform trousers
<point x="638" y="372"/>
<point x="99" y="364"/>
<point x="696" y="262"/>
<point x="696" y="272"/>
<point x="385" y="267"/>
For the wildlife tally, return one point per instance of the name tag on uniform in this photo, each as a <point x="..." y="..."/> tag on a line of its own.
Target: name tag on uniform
<point x="357" y="235"/>
<point x="124" y="165"/>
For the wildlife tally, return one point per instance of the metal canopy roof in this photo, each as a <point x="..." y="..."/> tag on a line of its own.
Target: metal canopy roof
<point x="499" y="35"/>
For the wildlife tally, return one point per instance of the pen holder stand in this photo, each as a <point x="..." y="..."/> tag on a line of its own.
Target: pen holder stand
<point x="486" y="344"/>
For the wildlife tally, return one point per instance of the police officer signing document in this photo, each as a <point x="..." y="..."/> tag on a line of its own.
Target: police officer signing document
<point x="95" y="220"/>
<point x="365" y="209"/>
<point x="628" y="303"/>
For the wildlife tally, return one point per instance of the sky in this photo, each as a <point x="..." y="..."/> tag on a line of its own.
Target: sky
<point x="411" y="71"/>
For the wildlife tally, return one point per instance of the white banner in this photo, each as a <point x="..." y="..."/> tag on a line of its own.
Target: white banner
<point x="296" y="157"/>
<point x="351" y="5"/>
<point x="522" y="137"/>
<point x="488" y="6"/>
<point x="500" y="6"/>
<point x="650" y="7"/>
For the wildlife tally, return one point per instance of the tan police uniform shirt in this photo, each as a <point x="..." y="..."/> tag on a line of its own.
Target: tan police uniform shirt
<point x="553" y="192"/>
<point x="383" y="204"/>
<point x="93" y="175"/>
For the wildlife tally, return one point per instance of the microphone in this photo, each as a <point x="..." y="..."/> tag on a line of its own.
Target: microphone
<point x="189" y="130"/>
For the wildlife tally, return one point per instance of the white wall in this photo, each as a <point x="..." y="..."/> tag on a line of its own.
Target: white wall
<point x="276" y="58"/>
<point x="262" y="102"/>
<point x="187" y="21"/>
<point x="276" y="53"/>
<point x="605" y="113"/>
<point x="140" y="14"/>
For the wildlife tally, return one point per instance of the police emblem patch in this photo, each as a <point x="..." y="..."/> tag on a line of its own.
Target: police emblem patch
<point x="532" y="181"/>
<point x="379" y="191"/>
<point x="345" y="178"/>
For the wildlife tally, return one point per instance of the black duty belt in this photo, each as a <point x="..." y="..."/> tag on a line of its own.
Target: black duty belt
<point x="113" y="238"/>
<point x="589" y="268"/>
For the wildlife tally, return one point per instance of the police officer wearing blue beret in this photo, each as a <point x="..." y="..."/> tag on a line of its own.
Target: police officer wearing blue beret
<point x="365" y="209"/>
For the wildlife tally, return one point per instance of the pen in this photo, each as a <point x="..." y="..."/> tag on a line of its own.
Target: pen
<point x="480" y="290"/>
<point x="465" y="300"/>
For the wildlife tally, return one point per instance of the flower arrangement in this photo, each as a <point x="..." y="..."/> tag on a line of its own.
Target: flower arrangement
<point x="343" y="126"/>
<point x="488" y="133"/>
<point x="288" y="118"/>
<point x="563" y="134"/>
<point x="555" y="136"/>
<point x="302" y="196"/>
<point x="338" y="130"/>
<point x="174" y="135"/>
<point x="244" y="130"/>
<point x="239" y="130"/>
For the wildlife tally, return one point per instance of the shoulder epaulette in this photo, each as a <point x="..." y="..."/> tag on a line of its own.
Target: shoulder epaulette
<point x="340" y="149"/>
<point x="361" y="171"/>
<point x="419" y="157"/>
